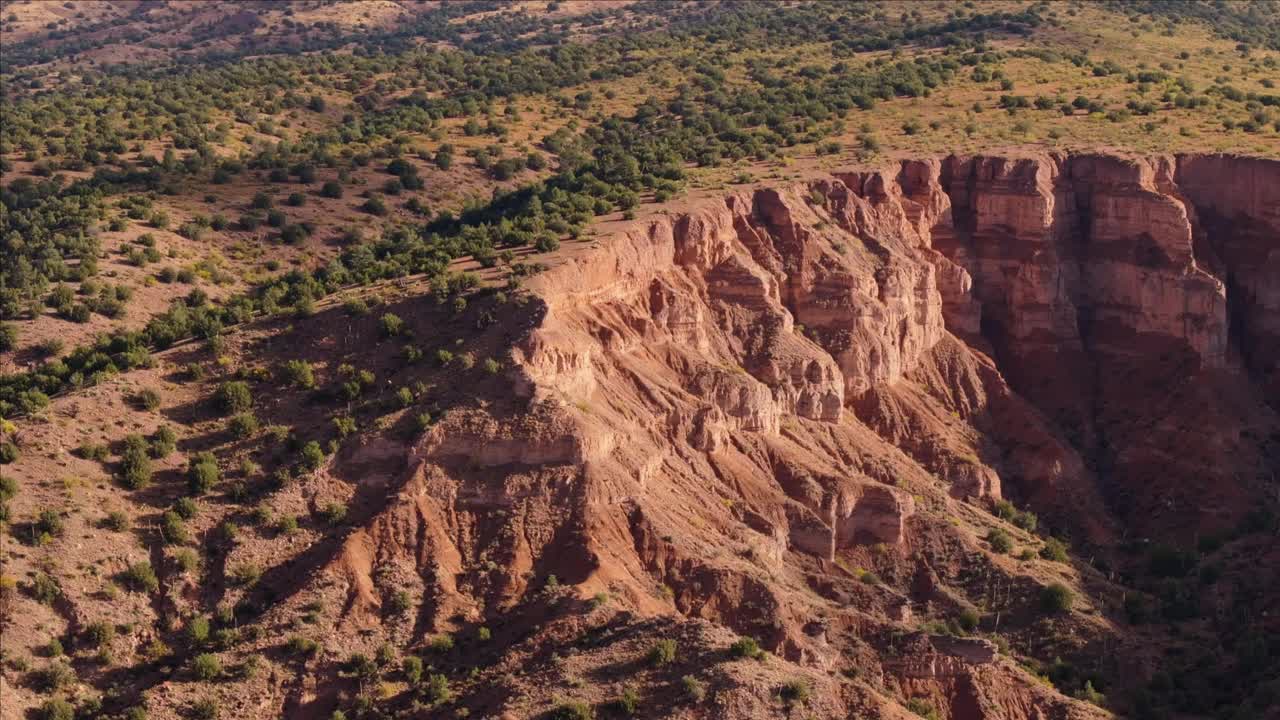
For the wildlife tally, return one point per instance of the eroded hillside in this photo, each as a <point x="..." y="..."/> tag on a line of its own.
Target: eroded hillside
<point x="795" y="414"/>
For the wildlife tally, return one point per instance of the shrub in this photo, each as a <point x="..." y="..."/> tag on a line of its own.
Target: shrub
<point x="1056" y="598"/>
<point x="243" y="425"/>
<point x="1026" y="520"/>
<point x="234" y="397"/>
<point x="404" y="396"/>
<point x="100" y="633"/>
<point x="968" y="619"/>
<point x="351" y="389"/>
<point x="663" y="652"/>
<point x="999" y="540"/>
<point x="204" y="709"/>
<point x="292" y="235"/>
<point x="344" y="426"/>
<point x="627" y="704"/>
<point x="188" y="560"/>
<point x="361" y="666"/>
<point x="206" y="666"/>
<point x="44" y="589"/>
<point x="312" y="455"/>
<point x="135" y="465"/>
<point x="8" y="453"/>
<point x="203" y="473"/>
<point x="922" y="707"/>
<point x="301" y="646"/>
<point x="141" y="577"/>
<point x="53" y="677"/>
<point x="694" y="689"/>
<point x="333" y="513"/>
<point x="148" y="399"/>
<point x="92" y="451"/>
<point x="49" y="522"/>
<point x="186" y="507"/>
<point x="412" y="668"/>
<point x="400" y="602"/>
<point x="1090" y="695"/>
<point x="174" y="529"/>
<point x="116" y="521"/>
<point x="300" y="374"/>
<point x="198" y="630"/>
<point x="164" y="442"/>
<point x="746" y="648"/>
<point x="572" y="710"/>
<point x="1005" y="510"/>
<point x="228" y="530"/>
<point x="55" y="709"/>
<point x="391" y="325"/>
<point x="8" y="337"/>
<point x="794" y="691"/>
<point x="437" y="689"/>
<point x="1055" y="550"/>
<point x="246" y="575"/>
<point x="441" y="643"/>
<point x="331" y="189"/>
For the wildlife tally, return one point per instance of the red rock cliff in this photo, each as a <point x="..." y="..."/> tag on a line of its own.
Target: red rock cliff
<point x="733" y="400"/>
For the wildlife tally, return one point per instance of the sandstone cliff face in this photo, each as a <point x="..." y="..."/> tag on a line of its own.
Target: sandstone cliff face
<point x="731" y="400"/>
<point x="1237" y="203"/>
<point x="1107" y="283"/>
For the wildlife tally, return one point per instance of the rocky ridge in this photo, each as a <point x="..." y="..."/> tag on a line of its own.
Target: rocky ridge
<point x="785" y="413"/>
<point x="719" y="392"/>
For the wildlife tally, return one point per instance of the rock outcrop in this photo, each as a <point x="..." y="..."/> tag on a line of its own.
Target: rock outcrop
<point x="729" y="400"/>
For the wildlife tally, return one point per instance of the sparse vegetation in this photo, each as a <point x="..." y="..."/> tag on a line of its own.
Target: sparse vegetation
<point x="135" y="463"/>
<point x="55" y="709"/>
<point x="206" y="667"/>
<point x="1056" y="598"/>
<point x="300" y="374"/>
<point x="922" y="707"/>
<point x="695" y="690"/>
<point x="999" y="541"/>
<point x="663" y="652"/>
<point x="573" y="710"/>
<point x="1055" y="550"/>
<point x="203" y="473"/>
<point x="234" y="396"/>
<point x="141" y="577"/>
<point x="794" y="692"/>
<point x="746" y="647"/>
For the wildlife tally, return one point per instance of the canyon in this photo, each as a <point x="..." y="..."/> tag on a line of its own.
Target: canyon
<point x="718" y="411"/>
<point x="792" y="412"/>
